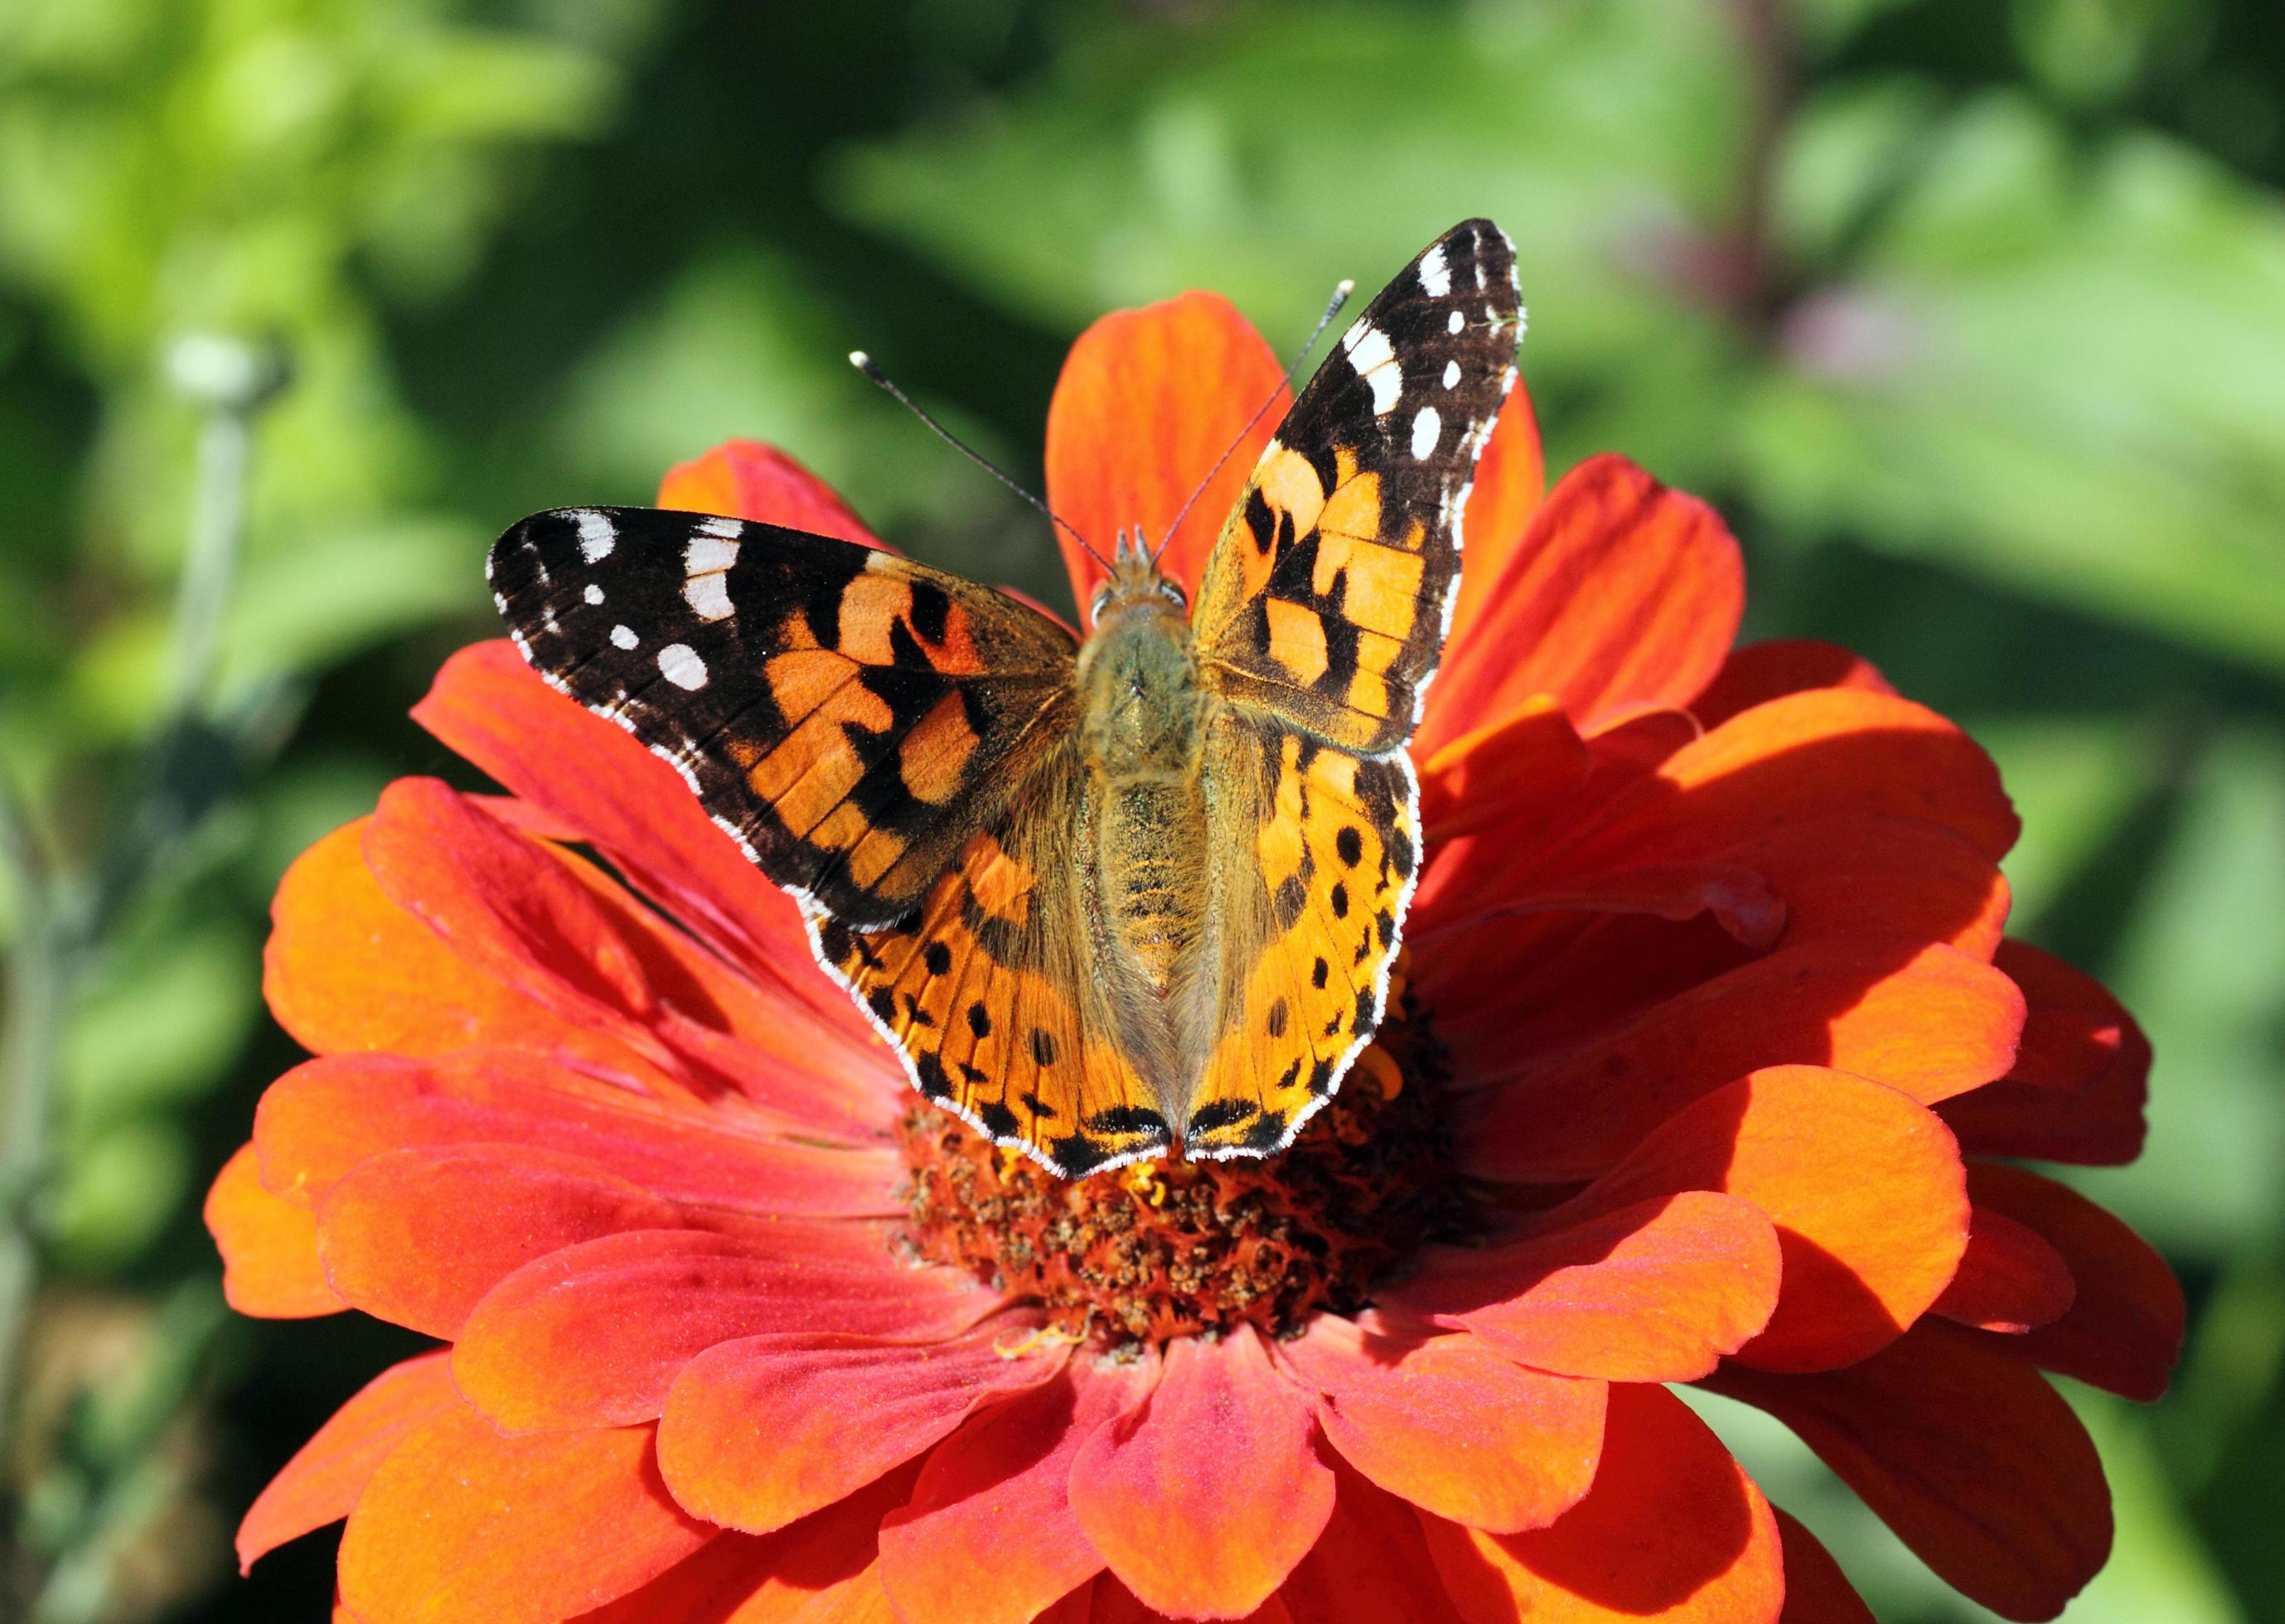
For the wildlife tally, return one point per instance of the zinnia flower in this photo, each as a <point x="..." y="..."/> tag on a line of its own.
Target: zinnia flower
<point x="1705" y="1037"/>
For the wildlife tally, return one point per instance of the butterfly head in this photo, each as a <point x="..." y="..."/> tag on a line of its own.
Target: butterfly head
<point x="1136" y="586"/>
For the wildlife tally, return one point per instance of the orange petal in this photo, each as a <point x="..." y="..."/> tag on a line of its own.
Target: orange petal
<point x="327" y="1115"/>
<point x="746" y="478"/>
<point x="321" y="1484"/>
<point x="1759" y="672"/>
<point x="1866" y="1189"/>
<point x="347" y="970"/>
<point x="596" y="1335"/>
<point x="488" y="705"/>
<point x="1450" y="1426"/>
<point x="1519" y="774"/>
<point x="460" y="1523"/>
<point x="1816" y="1590"/>
<point x="269" y="1246"/>
<point x="989" y="1536"/>
<point x="798" y="1575"/>
<point x="1203" y="1501"/>
<point x="1964" y="1451"/>
<point x="2076" y="1091"/>
<point x="1657" y="1291"/>
<point x="1510" y="482"/>
<point x="417" y="1237"/>
<point x="2123" y="1328"/>
<point x="1927" y="1021"/>
<point x="1146" y="401"/>
<point x="1370" y="1567"/>
<point x="1622" y="597"/>
<point x="762" y="1431"/>
<point x="2075" y="1032"/>
<point x="2010" y="1279"/>
<point x="1673" y="1529"/>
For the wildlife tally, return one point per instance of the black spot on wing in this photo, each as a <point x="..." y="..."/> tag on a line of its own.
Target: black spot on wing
<point x="1218" y="1114"/>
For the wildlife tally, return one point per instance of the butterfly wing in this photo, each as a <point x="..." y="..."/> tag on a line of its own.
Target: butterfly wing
<point x="1320" y="620"/>
<point x="850" y="717"/>
<point x="991" y="993"/>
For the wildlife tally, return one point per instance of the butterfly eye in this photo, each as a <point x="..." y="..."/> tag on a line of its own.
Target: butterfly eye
<point x="1095" y="605"/>
<point x="1173" y="594"/>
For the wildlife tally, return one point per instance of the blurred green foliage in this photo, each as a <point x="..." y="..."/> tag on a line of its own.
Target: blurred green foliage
<point x="1970" y="314"/>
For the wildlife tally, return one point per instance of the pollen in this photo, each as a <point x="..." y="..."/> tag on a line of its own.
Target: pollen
<point x="1161" y="1249"/>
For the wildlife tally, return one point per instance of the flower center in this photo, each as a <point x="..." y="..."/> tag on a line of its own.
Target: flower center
<point x="1170" y="1249"/>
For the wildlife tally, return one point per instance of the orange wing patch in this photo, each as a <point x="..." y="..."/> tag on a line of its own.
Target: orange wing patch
<point x="1314" y="894"/>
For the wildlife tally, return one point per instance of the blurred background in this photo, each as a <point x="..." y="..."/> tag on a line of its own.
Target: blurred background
<point x="1970" y="314"/>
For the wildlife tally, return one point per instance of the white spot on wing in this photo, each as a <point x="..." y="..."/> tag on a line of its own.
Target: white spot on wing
<point x="1375" y="359"/>
<point x="1436" y="275"/>
<point x="596" y="537"/>
<point x="680" y="664"/>
<point x="708" y="554"/>
<point x="728" y="529"/>
<point x="595" y="593"/>
<point x="708" y="596"/>
<point x="1451" y="374"/>
<point x="1457" y="322"/>
<point x="624" y="637"/>
<point x="1425" y="427"/>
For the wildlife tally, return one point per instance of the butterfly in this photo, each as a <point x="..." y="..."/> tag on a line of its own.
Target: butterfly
<point x="1112" y="898"/>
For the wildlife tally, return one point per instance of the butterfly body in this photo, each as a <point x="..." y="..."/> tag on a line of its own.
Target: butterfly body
<point x="1106" y="898"/>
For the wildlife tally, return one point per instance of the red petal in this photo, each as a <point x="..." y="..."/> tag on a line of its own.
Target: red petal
<point x="1967" y="1453"/>
<point x="797" y="1575"/>
<point x="348" y="970"/>
<point x="596" y="1335"/>
<point x="1927" y="1021"/>
<point x="1510" y="482"/>
<point x="762" y="1431"/>
<point x="2076" y="1091"/>
<point x="989" y="1537"/>
<point x="321" y="1484"/>
<point x="1146" y="401"/>
<point x="2010" y="1279"/>
<point x="1623" y="597"/>
<point x="1203" y="1501"/>
<point x="1450" y="1426"/>
<point x="460" y="1523"/>
<point x="1370" y="1567"/>
<point x="269" y="1246"/>
<point x="1864" y="1187"/>
<point x="326" y="1115"/>
<point x="1759" y="672"/>
<point x="1674" y="1529"/>
<point x="1657" y="1291"/>
<point x="1816" y="1590"/>
<point x="2123" y="1328"/>
<point x="417" y="1237"/>
<point x="1520" y="774"/>
<point x="746" y="478"/>
<point x="492" y="708"/>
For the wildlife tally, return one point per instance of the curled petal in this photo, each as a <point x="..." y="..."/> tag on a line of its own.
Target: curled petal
<point x="445" y="1531"/>
<point x="1966" y="1452"/>
<point x="1450" y="1426"/>
<point x="321" y="1484"/>
<point x="746" y="478"/>
<point x="1146" y="401"/>
<point x="1656" y="1291"/>
<point x="2123" y="1331"/>
<point x="1667" y="587"/>
<point x="762" y="1431"/>
<point x="1673" y="1530"/>
<point x="1203" y="1501"/>
<point x="989" y="1536"/>
<point x="596" y="1335"/>
<point x="1816" y="1590"/>
<point x="2080" y="1080"/>
<point x="269" y="1246"/>
<point x="1866" y="1189"/>
<point x="2010" y="1279"/>
<point x="1928" y="1021"/>
<point x="1759" y="672"/>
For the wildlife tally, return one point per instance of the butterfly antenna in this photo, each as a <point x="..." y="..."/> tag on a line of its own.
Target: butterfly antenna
<point x="865" y="364"/>
<point x="1341" y="291"/>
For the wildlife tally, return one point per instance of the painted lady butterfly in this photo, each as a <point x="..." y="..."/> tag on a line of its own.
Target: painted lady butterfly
<point x="1104" y="897"/>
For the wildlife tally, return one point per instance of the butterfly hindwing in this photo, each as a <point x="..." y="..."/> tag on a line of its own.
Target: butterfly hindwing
<point x="1325" y="598"/>
<point x="991" y="993"/>
<point x="851" y="718"/>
